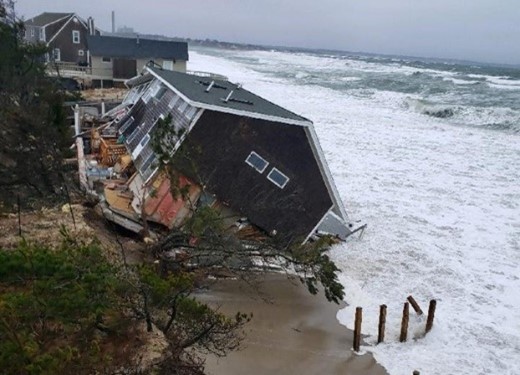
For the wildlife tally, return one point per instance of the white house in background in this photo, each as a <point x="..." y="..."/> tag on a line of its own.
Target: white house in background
<point x="116" y="59"/>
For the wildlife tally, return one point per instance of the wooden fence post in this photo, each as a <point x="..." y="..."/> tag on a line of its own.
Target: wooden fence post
<point x="431" y="315"/>
<point x="415" y="305"/>
<point x="404" y="322"/>
<point x="357" y="328"/>
<point x="382" y="322"/>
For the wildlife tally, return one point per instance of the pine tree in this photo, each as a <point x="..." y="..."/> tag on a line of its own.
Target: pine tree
<point x="32" y="119"/>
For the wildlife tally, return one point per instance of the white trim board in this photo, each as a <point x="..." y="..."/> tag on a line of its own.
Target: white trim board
<point x="65" y="25"/>
<point x="327" y="176"/>
<point x="317" y="225"/>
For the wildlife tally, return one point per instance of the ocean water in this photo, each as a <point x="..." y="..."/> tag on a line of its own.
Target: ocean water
<point x="427" y="153"/>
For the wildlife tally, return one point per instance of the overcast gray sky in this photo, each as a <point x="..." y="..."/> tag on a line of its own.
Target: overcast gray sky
<point x="481" y="30"/>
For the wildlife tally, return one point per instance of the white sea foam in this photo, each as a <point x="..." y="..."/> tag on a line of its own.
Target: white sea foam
<point x="458" y="81"/>
<point x="442" y="205"/>
<point x="499" y="82"/>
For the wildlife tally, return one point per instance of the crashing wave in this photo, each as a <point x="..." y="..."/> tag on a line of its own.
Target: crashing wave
<point x="430" y="109"/>
<point x="439" y="113"/>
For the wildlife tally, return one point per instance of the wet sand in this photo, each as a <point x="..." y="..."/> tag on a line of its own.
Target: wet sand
<point x="292" y="332"/>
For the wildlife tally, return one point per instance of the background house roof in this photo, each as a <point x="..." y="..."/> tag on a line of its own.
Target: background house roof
<point x="46" y="18"/>
<point x="195" y="88"/>
<point x="118" y="47"/>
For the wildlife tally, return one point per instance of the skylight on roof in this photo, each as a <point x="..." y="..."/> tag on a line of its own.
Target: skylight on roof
<point x="278" y="178"/>
<point x="257" y="162"/>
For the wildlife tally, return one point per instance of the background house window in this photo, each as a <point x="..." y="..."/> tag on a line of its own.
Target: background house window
<point x="41" y="35"/>
<point x="257" y="162"/>
<point x="56" y="54"/>
<point x="32" y="32"/>
<point x="80" y="52"/>
<point x="278" y="178"/>
<point x="167" y="65"/>
<point x="75" y="36"/>
<point x="106" y="59"/>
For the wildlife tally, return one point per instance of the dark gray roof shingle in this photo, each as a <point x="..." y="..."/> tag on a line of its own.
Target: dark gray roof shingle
<point x="238" y="98"/>
<point x="118" y="47"/>
<point x="46" y="18"/>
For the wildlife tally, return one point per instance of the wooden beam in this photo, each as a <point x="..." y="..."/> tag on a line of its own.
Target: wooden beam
<point x="415" y="305"/>
<point x="357" y="328"/>
<point x="404" y="322"/>
<point x="382" y="323"/>
<point x="431" y="315"/>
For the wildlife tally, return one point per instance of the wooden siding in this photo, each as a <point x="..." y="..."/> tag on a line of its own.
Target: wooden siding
<point x="53" y="28"/>
<point x="224" y="141"/>
<point x="68" y="49"/>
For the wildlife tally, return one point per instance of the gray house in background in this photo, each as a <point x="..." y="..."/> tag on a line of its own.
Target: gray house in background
<point x="65" y="34"/>
<point x="116" y="59"/>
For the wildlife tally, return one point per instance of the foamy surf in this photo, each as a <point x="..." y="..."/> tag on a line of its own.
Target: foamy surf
<point x="440" y="195"/>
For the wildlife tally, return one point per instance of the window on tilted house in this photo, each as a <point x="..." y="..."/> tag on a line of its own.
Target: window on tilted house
<point x="257" y="162"/>
<point x="126" y="125"/>
<point x="160" y="93"/>
<point x="278" y="178"/>
<point x="75" y="36"/>
<point x="174" y="101"/>
<point x="106" y="59"/>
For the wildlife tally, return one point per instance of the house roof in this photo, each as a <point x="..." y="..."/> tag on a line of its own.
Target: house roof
<point x="46" y="18"/>
<point x="118" y="47"/>
<point x="213" y="93"/>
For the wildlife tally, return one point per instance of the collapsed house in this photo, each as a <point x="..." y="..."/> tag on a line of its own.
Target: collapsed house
<point x="253" y="160"/>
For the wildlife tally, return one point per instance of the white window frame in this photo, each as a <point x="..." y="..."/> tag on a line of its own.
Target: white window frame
<point x="76" y="36"/>
<point x="261" y="170"/>
<point x="147" y="95"/>
<point x="276" y="170"/>
<point x="32" y="32"/>
<point x="190" y="113"/>
<point x="131" y="137"/>
<point x="41" y="34"/>
<point x="156" y="93"/>
<point x="183" y="107"/>
<point x="140" y="147"/>
<point x="174" y="101"/>
<point x="127" y="124"/>
<point x="56" y="54"/>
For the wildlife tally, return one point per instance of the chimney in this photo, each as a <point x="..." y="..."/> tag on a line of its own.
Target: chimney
<point x="113" y="21"/>
<point x="91" y="28"/>
<point x="137" y="38"/>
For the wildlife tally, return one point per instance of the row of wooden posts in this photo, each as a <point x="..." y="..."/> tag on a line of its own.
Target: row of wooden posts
<point x="404" y="322"/>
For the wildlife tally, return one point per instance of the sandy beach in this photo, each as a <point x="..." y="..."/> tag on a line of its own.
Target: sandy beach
<point x="292" y="331"/>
